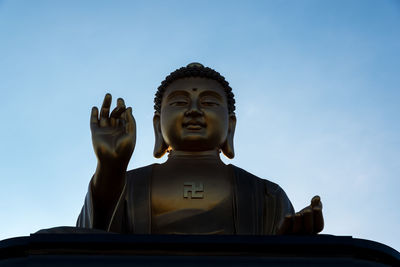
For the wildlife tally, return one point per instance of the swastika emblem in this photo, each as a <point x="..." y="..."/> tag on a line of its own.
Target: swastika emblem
<point x="196" y="190"/>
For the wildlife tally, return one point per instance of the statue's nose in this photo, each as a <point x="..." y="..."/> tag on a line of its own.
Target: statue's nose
<point x="194" y="110"/>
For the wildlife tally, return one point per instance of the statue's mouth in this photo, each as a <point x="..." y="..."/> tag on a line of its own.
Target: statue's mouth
<point x="194" y="125"/>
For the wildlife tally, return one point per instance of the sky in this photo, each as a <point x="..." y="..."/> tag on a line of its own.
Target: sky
<point x="316" y="85"/>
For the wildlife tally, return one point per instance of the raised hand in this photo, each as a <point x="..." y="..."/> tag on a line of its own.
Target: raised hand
<point x="113" y="135"/>
<point x="307" y="221"/>
<point x="114" y="139"/>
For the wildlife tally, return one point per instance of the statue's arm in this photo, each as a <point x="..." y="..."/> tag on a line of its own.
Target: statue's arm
<point x="283" y="207"/>
<point x="114" y="138"/>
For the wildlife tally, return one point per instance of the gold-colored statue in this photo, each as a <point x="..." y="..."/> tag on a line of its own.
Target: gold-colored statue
<point x="193" y="192"/>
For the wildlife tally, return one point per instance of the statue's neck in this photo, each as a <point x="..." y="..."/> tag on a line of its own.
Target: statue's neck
<point x="194" y="155"/>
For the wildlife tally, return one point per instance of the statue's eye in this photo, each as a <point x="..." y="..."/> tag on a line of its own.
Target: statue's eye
<point x="209" y="103"/>
<point x="178" y="103"/>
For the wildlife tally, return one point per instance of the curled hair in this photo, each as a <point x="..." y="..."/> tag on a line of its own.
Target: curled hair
<point x="195" y="70"/>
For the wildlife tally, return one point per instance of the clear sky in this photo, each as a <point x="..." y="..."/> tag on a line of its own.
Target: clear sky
<point x="316" y="84"/>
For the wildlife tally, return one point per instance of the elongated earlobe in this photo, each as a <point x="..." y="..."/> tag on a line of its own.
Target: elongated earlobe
<point x="160" y="147"/>
<point x="227" y="147"/>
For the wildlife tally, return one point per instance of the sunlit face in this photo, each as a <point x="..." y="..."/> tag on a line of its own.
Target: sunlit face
<point x="194" y="115"/>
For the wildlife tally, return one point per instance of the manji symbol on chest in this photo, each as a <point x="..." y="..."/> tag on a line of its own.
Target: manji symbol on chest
<point x="196" y="190"/>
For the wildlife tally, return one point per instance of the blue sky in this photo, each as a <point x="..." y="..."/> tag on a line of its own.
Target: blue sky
<point x="316" y="85"/>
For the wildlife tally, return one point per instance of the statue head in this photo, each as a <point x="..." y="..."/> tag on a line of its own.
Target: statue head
<point x="194" y="111"/>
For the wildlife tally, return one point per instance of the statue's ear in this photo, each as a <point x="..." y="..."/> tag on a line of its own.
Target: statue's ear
<point x="160" y="147"/>
<point x="227" y="146"/>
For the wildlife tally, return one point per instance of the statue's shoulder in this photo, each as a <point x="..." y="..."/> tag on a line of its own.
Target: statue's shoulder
<point x="245" y="176"/>
<point x="140" y="173"/>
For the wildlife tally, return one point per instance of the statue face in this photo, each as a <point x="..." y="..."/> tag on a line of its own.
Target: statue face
<point x="194" y="115"/>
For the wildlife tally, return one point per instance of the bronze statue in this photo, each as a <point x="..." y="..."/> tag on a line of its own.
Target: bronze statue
<point x="193" y="192"/>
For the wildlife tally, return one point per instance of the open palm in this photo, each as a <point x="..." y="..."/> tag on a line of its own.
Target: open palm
<point x="113" y="135"/>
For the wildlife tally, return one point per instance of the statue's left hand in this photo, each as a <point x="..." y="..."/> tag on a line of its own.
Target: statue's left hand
<point x="307" y="221"/>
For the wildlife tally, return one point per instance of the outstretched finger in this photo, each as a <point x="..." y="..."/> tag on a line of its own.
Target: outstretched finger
<point x="130" y="125"/>
<point x="318" y="219"/>
<point x="316" y="206"/>
<point x="285" y="227"/>
<point x="316" y="202"/>
<point x="116" y="113"/>
<point x="105" y="108"/>
<point x="94" y="118"/>
<point x="120" y="102"/>
<point x="308" y="221"/>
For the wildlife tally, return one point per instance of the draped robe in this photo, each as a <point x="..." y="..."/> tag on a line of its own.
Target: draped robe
<point x="258" y="205"/>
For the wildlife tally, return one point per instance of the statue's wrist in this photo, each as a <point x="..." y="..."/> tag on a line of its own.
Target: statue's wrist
<point x="108" y="168"/>
<point x="109" y="175"/>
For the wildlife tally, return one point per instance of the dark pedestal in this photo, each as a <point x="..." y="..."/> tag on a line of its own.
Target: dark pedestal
<point x="152" y="250"/>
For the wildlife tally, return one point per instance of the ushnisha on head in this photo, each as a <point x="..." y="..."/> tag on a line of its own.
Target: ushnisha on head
<point x="194" y="70"/>
<point x="194" y="112"/>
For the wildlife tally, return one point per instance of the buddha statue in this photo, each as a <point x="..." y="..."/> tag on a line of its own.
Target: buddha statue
<point x="193" y="191"/>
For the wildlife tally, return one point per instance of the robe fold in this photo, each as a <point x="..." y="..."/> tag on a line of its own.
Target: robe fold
<point x="258" y="205"/>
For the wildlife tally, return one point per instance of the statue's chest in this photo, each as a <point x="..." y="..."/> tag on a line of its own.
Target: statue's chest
<point x="187" y="189"/>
